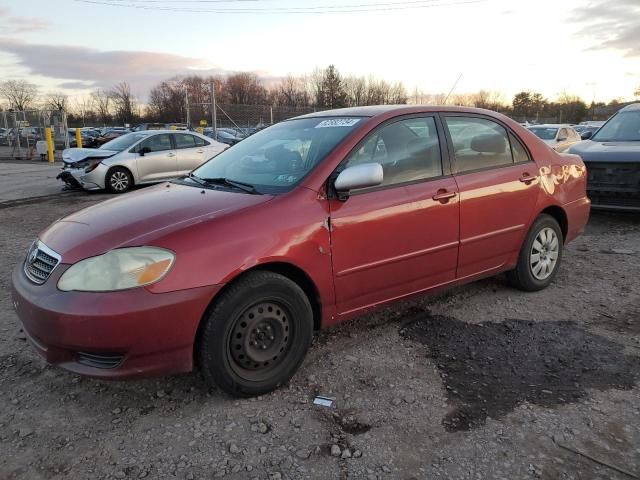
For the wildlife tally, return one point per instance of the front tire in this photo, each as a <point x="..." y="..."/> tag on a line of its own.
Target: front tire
<point x="256" y="335"/>
<point x="119" y="180"/>
<point x="539" y="257"/>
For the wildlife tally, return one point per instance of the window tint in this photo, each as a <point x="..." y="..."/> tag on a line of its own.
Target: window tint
<point x="185" y="141"/>
<point x="201" y="142"/>
<point x="157" y="143"/>
<point x="408" y="150"/>
<point x="478" y="143"/>
<point x="517" y="149"/>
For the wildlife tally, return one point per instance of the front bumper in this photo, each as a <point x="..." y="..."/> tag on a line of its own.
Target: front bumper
<point x="78" y="178"/>
<point x="131" y="333"/>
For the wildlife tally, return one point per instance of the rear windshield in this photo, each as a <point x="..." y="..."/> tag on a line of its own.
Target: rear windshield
<point x="276" y="159"/>
<point x="623" y="127"/>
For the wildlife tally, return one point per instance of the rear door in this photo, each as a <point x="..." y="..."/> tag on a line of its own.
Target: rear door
<point x="498" y="185"/>
<point x="160" y="162"/>
<point x="402" y="236"/>
<point x="191" y="152"/>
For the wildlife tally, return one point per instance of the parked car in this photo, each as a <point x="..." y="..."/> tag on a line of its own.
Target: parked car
<point x="109" y="135"/>
<point x="136" y="158"/>
<point x="586" y="132"/>
<point x="222" y="136"/>
<point x="612" y="156"/>
<point x="149" y="126"/>
<point x="558" y="137"/>
<point x="298" y="227"/>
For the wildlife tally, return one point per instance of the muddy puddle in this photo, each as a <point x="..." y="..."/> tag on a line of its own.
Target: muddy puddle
<point x="490" y="368"/>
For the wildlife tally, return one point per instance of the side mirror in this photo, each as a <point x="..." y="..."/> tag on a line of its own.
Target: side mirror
<point x="144" y="150"/>
<point x="586" y="135"/>
<point x="359" y="176"/>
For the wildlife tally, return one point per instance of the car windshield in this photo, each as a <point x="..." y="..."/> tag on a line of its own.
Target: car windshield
<point x="276" y="159"/>
<point x="623" y="127"/>
<point x="544" y="133"/>
<point x="123" y="142"/>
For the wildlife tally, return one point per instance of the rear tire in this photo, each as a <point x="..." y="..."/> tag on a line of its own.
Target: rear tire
<point x="540" y="256"/>
<point x="256" y="335"/>
<point x="118" y="180"/>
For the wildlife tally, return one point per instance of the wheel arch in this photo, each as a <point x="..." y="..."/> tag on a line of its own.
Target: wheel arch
<point x="110" y="168"/>
<point x="286" y="269"/>
<point x="560" y="216"/>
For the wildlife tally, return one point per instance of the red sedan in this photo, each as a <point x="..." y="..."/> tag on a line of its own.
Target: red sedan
<point x="298" y="227"/>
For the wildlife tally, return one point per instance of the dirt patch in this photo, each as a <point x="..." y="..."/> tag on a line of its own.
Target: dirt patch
<point x="490" y="368"/>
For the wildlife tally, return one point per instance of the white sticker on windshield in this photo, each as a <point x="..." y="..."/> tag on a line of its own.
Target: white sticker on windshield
<point x="338" y="122"/>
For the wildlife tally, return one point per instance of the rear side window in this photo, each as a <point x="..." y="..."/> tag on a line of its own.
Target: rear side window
<point x="408" y="150"/>
<point x="520" y="154"/>
<point x="478" y="143"/>
<point x="185" y="141"/>
<point x="201" y="142"/>
<point x="157" y="143"/>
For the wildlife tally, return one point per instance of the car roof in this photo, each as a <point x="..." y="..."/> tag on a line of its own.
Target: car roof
<point x="633" y="106"/>
<point x="379" y="110"/>
<point x="551" y="125"/>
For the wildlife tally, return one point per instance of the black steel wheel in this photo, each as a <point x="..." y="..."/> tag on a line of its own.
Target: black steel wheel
<point x="256" y="334"/>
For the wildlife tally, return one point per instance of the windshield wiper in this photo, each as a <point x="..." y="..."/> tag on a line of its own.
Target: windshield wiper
<point x="247" y="187"/>
<point x="196" y="179"/>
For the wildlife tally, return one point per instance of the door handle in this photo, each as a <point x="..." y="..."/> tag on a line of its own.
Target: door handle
<point x="443" y="196"/>
<point x="171" y="154"/>
<point x="526" y="178"/>
<point x="199" y="151"/>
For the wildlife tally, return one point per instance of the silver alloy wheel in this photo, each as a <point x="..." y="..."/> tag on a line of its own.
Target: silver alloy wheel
<point x="544" y="253"/>
<point x="119" y="181"/>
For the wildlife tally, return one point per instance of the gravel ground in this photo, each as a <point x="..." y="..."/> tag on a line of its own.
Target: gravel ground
<point x="480" y="382"/>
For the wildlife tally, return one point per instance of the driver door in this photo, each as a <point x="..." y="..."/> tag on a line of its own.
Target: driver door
<point x="160" y="162"/>
<point x="400" y="237"/>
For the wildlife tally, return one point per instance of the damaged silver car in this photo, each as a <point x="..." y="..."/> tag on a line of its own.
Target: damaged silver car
<point x="137" y="158"/>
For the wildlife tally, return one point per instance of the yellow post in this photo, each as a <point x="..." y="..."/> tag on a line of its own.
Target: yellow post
<point x="78" y="138"/>
<point x="173" y="127"/>
<point x="47" y="134"/>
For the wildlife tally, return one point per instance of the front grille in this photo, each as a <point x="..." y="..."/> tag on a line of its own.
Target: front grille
<point x="100" y="360"/>
<point x="40" y="262"/>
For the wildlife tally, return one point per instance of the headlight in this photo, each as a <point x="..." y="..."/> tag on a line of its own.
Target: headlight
<point x="118" y="269"/>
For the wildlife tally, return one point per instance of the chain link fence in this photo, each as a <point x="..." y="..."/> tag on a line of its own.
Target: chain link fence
<point x="21" y="131"/>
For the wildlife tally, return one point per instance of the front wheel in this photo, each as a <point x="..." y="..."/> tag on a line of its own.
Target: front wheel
<point x="256" y="335"/>
<point x="119" y="180"/>
<point x="539" y="257"/>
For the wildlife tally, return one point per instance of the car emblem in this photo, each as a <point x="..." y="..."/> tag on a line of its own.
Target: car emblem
<point x="33" y="254"/>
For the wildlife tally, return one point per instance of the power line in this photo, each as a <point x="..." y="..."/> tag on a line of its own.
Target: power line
<point x="377" y="7"/>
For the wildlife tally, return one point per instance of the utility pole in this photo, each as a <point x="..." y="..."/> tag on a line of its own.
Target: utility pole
<point x="213" y="110"/>
<point x="186" y="102"/>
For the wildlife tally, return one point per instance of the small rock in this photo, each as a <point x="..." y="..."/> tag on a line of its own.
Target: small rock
<point x="119" y="474"/>
<point x="385" y="469"/>
<point x="351" y="358"/>
<point x="234" y="449"/>
<point x="263" y="450"/>
<point x="25" y="432"/>
<point x="303" y="454"/>
<point x="346" y="453"/>
<point x="335" y="451"/>
<point x="357" y="454"/>
<point x="116" y="411"/>
<point x="396" y="401"/>
<point x="263" y="428"/>
<point x="160" y="394"/>
<point x="410" y="399"/>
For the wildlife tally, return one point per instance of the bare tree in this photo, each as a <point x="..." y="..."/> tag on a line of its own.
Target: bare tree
<point x="102" y="103"/>
<point x="56" y="101"/>
<point x="19" y="93"/>
<point x="83" y="109"/>
<point x="124" y="102"/>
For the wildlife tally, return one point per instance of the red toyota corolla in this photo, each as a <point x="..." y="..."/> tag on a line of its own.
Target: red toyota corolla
<point x="298" y="227"/>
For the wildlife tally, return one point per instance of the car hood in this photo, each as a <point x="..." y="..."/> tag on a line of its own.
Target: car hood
<point x="592" y="151"/>
<point x="72" y="155"/>
<point x="140" y="218"/>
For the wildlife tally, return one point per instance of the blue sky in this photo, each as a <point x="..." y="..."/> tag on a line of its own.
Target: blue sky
<point x="590" y="48"/>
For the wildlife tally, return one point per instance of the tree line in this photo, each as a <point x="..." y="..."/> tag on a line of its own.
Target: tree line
<point x="321" y="89"/>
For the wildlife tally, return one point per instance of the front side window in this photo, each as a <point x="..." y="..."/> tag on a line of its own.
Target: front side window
<point x="478" y="143"/>
<point x="157" y="143"/>
<point x="408" y="150"/>
<point x="200" y="142"/>
<point x="623" y="127"/>
<point x="276" y="159"/>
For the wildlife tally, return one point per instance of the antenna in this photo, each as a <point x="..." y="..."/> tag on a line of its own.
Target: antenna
<point x="452" y="88"/>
